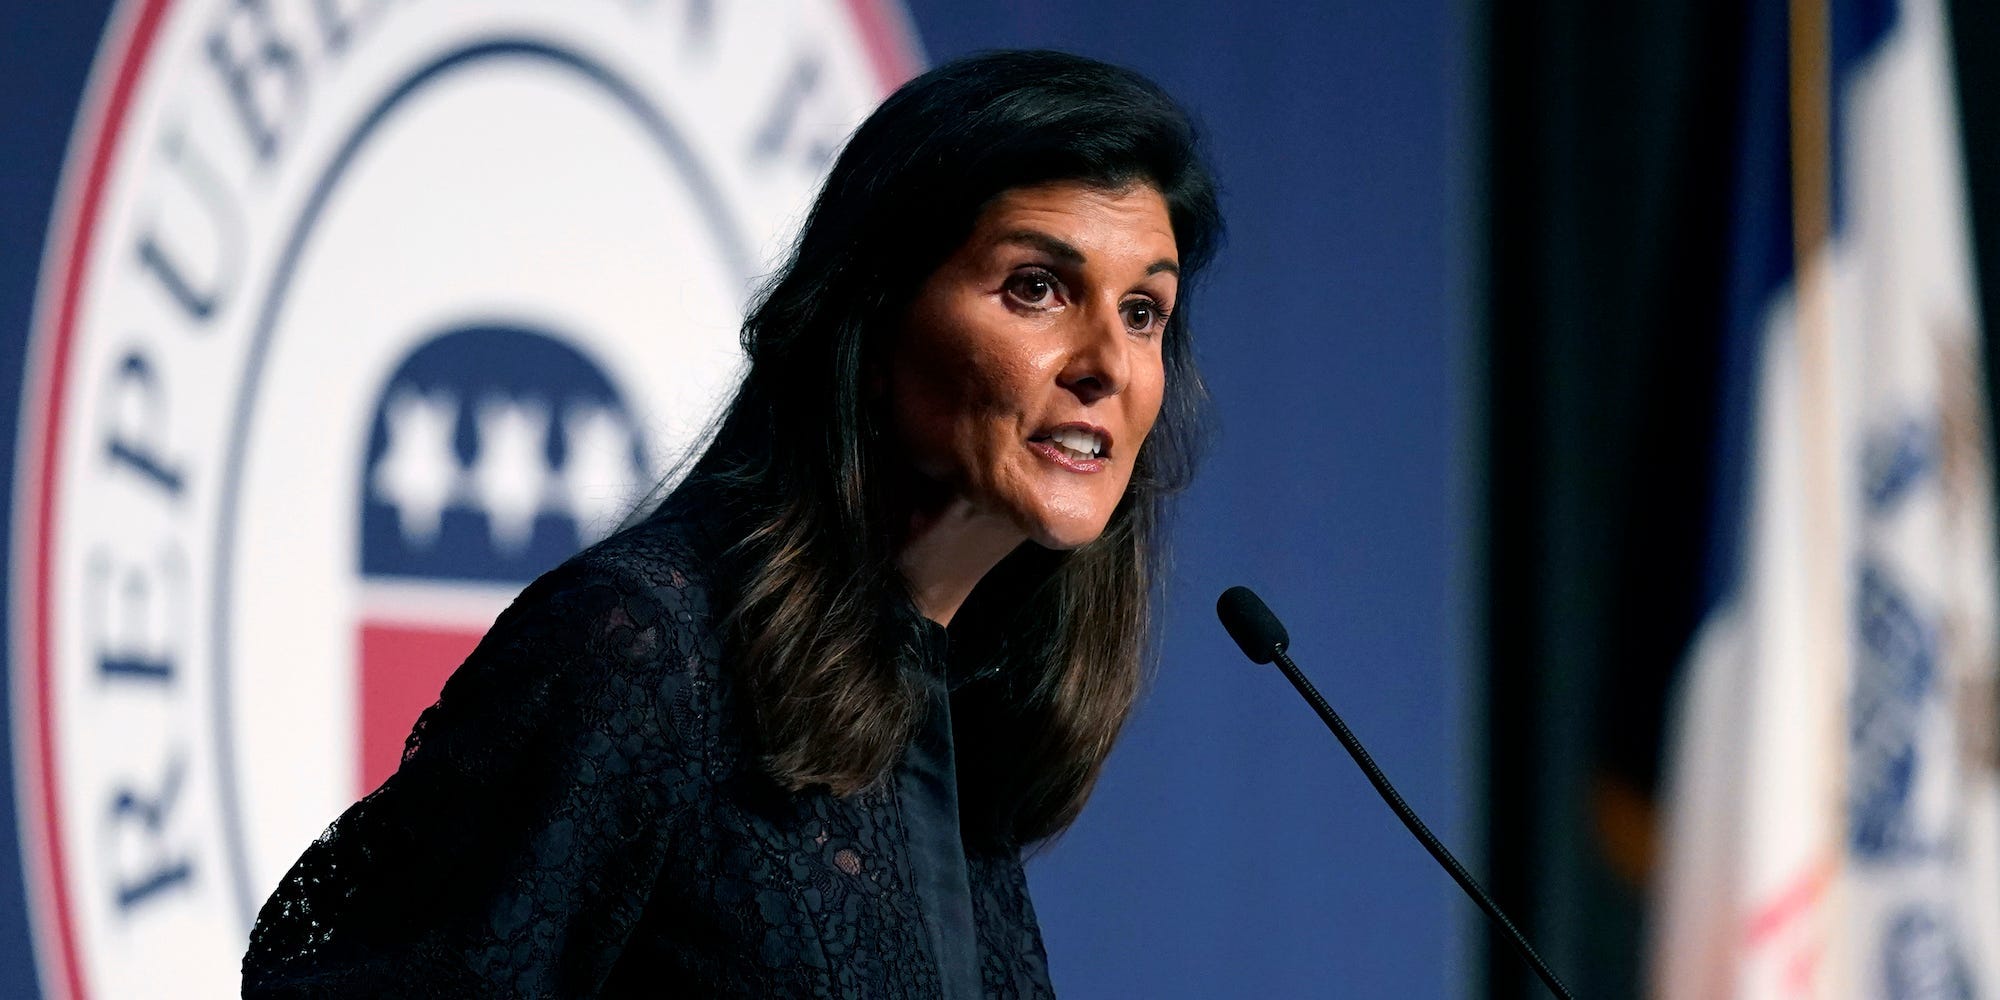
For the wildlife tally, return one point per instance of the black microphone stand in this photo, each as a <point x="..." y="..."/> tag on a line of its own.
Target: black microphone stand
<point x="1409" y="818"/>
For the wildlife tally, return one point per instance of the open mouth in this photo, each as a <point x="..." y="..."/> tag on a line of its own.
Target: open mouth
<point x="1076" y="443"/>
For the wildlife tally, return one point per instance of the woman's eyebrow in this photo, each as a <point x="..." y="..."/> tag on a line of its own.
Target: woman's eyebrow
<point x="1047" y="244"/>
<point x="1063" y="251"/>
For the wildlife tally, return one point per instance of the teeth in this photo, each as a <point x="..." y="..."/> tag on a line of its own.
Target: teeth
<point x="1082" y="442"/>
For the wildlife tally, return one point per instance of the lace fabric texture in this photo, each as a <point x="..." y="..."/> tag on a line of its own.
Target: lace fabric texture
<point x="576" y="817"/>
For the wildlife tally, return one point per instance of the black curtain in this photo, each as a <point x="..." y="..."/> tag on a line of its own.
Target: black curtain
<point x="1610" y="136"/>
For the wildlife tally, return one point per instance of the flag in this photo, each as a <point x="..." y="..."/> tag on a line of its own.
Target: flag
<point x="1832" y="827"/>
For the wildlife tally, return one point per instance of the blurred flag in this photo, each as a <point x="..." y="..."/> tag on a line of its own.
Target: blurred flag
<point x="1832" y="825"/>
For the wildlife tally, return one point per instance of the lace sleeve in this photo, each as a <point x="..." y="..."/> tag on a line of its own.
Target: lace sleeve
<point x="514" y="848"/>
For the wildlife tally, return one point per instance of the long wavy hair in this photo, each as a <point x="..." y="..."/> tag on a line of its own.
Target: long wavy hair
<point x="801" y="463"/>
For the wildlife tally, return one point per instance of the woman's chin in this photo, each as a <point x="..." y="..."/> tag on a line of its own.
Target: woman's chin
<point x="1064" y="535"/>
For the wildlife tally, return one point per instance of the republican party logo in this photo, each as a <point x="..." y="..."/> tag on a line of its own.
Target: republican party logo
<point x="355" y="317"/>
<point x="494" y="452"/>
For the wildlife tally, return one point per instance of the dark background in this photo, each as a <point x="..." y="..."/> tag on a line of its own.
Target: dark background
<point x="1610" y="133"/>
<point x="1233" y="849"/>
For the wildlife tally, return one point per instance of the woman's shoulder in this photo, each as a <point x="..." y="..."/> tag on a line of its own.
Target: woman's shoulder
<point x="537" y="793"/>
<point x="656" y="574"/>
<point x="666" y="557"/>
<point x="626" y="627"/>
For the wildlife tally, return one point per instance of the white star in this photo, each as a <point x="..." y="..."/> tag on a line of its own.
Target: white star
<point x="599" y="473"/>
<point x="415" y="475"/>
<point x="511" y="473"/>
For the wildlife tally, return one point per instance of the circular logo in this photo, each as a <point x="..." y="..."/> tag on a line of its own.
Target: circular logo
<point x="355" y="317"/>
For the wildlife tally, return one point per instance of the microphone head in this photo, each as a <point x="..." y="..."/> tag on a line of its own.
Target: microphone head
<point x="1253" y="626"/>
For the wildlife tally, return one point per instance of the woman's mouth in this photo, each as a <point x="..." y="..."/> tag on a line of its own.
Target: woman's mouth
<point x="1078" y="447"/>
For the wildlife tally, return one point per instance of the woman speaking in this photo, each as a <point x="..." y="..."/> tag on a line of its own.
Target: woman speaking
<point x="734" y="750"/>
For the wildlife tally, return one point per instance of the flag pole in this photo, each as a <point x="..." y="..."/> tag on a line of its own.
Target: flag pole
<point x="1827" y="626"/>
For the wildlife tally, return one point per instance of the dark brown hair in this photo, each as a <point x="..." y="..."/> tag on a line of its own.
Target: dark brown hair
<point x="798" y="462"/>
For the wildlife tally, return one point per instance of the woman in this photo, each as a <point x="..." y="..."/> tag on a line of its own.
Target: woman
<point x="733" y="750"/>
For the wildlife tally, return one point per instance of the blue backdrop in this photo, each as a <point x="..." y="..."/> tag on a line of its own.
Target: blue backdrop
<point x="1231" y="850"/>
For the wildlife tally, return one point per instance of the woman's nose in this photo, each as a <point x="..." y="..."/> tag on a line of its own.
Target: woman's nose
<point x="1097" y="366"/>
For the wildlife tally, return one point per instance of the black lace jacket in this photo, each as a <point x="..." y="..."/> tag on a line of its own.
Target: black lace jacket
<point x="576" y="817"/>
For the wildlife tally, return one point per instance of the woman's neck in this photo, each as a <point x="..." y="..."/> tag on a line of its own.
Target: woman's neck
<point x="947" y="550"/>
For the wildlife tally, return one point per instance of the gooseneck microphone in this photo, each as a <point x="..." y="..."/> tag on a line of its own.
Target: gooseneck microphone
<point x="1263" y="639"/>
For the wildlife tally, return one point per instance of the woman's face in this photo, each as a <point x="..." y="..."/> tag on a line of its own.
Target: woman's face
<point x="1030" y="369"/>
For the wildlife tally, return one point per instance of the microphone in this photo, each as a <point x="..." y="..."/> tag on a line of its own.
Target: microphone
<point x="1263" y="639"/>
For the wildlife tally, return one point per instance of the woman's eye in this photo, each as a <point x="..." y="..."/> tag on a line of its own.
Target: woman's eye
<point x="1143" y="316"/>
<point x="1032" y="288"/>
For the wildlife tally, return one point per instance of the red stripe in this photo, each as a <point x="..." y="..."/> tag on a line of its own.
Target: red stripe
<point x="102" y="143"/>
<point x="1793" y="902"/>
<point x="403" y="667"/>
<point x="885" y="33"/>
